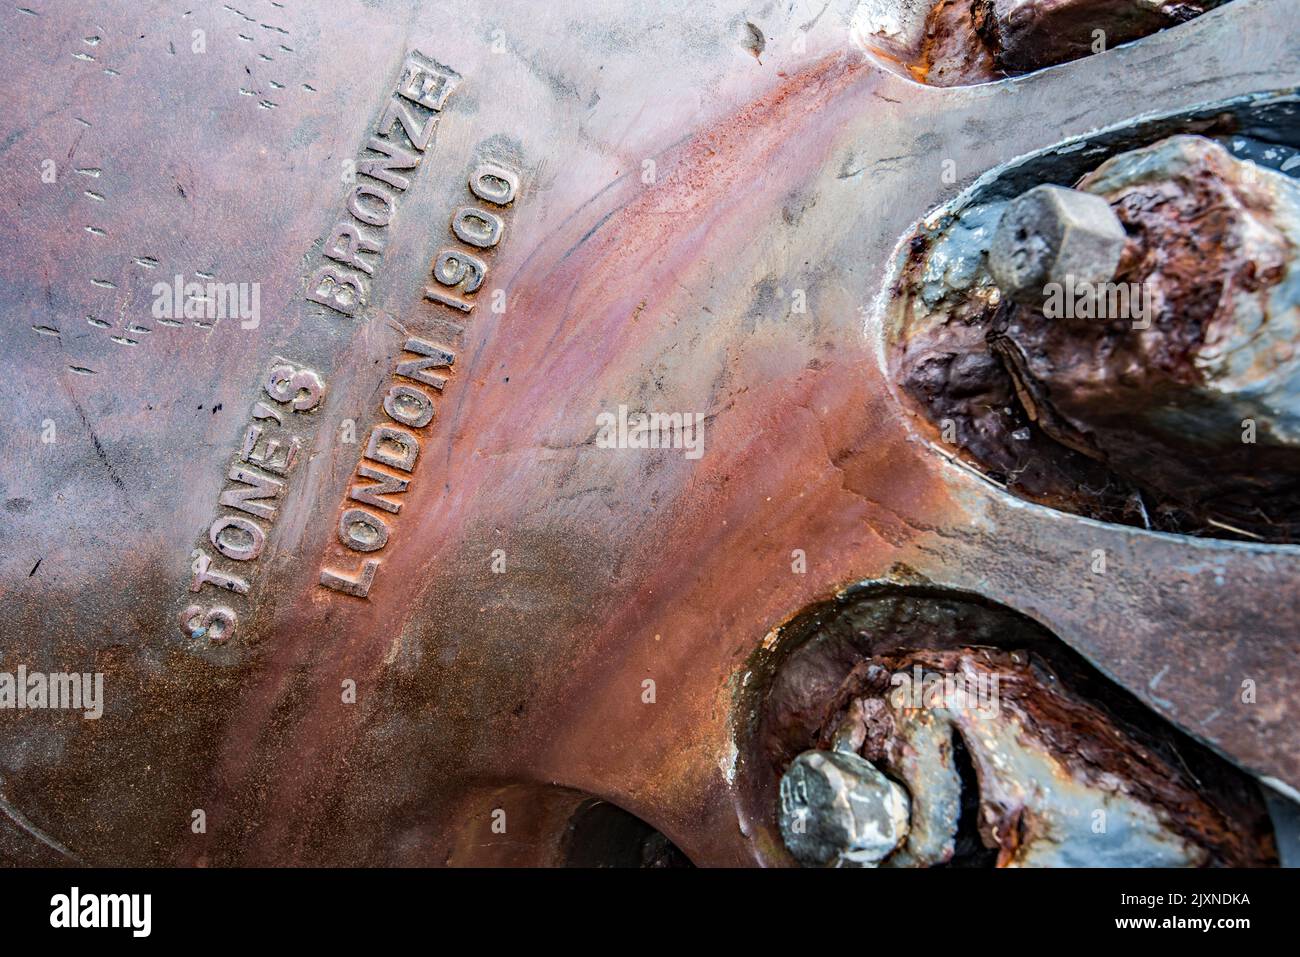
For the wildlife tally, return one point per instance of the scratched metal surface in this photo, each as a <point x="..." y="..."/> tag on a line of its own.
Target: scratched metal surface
<point x="799" y="168"/>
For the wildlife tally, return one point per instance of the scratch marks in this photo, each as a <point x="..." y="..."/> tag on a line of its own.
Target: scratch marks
<point x="30" y="829"/>
<point x="278" y="36"/>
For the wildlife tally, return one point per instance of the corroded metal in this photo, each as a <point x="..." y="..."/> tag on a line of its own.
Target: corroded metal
<point x="362" y="577"/>
<point x="1054" y="235"/>
<point x="838" y="810"/>
<point x="1191" y="387"/>
<point x="1012" y="752"/>
<point x="958" y="42"/>
<point x="1023" y="35"/>
<point x="1136" y="357"/>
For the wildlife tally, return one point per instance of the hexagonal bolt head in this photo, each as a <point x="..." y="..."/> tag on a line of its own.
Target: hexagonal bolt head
<point x="836" y="808"/>
<point x="1049" y="234"/>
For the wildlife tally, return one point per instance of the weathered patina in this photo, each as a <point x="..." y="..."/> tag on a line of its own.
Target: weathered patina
<point x="681" y="219"/>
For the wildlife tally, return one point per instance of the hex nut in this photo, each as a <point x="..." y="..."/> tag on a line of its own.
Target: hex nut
<point x="837" y="809"/>
<point x="1052" y="234"/>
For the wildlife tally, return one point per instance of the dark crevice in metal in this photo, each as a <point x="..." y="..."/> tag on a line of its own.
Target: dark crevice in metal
<point x="964" y="42"/>
<point x="604" y="835"/>
<point x="969" y="850"/>
<point x="1170" y="412"/>
<point x="1064" y="768"/>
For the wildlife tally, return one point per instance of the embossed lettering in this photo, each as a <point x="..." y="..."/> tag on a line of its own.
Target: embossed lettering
<point x="346" y="244"/>
<point x="216" y="623"/>
<point x="426" y="81"/>
<point x="255" y="486"/>
<point x="409" y="406"/>
<point x="455" y="268"/>
<point x="205" y="574"/>
<point x="385" y="484"/>
<point x="300" y="387"/>
<point x="269" y="459"/>
<point x="395" y="157"/>
<point x="359" y="586"/>
<point x="477" y="227"/>
<point x="494" y="184"/>
<point x="362" y="531"/>
<point x="237" y="538"/>
<point x="420" y="133"/>
<point x="435" y="357"/>
<point x="338" y="291"/>
<point x="375" y="217"/>
<point x="395" y="447"/>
